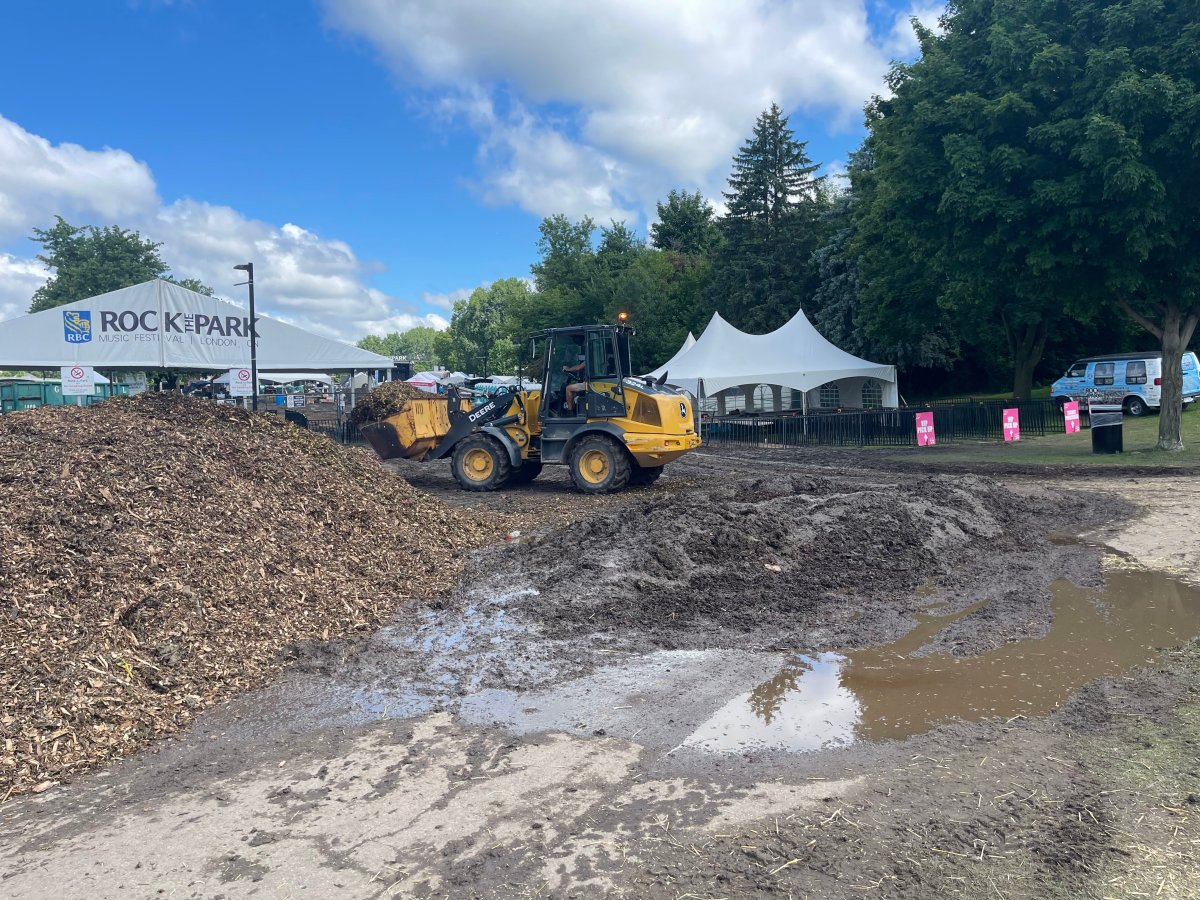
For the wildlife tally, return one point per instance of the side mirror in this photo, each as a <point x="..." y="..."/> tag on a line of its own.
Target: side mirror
<point x="531" y="349"/>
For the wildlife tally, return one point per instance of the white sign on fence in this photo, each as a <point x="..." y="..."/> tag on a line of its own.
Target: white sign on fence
<point x="136" y="382"/>
<point x="78" y="381"/>
<point x="240" y="383"/>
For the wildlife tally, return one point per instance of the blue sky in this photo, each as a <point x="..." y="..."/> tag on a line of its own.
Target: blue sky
<point x="379" y="158"/>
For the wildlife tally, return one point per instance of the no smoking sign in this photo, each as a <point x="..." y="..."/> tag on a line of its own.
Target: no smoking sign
<point x="78" y="381"/>
<point x="240" y="383"/>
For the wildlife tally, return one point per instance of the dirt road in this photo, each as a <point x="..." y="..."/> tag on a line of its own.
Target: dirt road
<point x="756" y="678"/>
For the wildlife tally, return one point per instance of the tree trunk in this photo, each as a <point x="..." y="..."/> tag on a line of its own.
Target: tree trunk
<point x="1174" y="342"/>
<point x="1026" y="342"/>
<point x="1174" y="332"/>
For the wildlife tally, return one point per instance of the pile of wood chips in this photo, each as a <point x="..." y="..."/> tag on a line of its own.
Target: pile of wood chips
<point x="158" y="553"/>
<point x="386" y="400"/>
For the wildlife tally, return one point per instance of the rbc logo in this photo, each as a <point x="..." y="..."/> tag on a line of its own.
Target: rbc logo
<point x="77" y="326"/>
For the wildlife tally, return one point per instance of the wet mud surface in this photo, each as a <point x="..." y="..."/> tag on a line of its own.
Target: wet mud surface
<point x="746" y="680"/>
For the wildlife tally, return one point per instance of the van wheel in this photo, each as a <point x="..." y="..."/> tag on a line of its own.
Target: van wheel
<point x="480" y="463"/>
<point x="599" y="465"/>
<point x="1136" y="406"/>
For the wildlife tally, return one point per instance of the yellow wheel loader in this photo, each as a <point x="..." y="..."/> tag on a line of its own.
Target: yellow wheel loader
<point x="611" y="428"/>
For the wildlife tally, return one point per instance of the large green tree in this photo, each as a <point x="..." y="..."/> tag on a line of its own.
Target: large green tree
<point x="836" y="304"/>
<point x="763" y="270"/>
<point x="686" y="224"/>
<point x="88" y="261"/>
<point x="479" y="339"/>
<point x="1038" y="165"/>
<point x="418" y="344"/>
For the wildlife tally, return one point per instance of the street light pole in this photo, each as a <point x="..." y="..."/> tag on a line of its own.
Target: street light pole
<point x="248" y="268"/>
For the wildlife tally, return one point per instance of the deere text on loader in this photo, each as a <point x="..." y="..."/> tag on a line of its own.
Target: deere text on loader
<point x="610" y="428"/>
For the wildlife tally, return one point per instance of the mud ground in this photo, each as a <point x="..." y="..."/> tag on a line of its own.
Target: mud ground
<point x="527" y="734"/>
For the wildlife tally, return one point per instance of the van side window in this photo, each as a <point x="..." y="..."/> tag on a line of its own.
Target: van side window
<point x="1135" y="372"/>
<point x="1104" y="373"/>
<point x="1077" y="371"/>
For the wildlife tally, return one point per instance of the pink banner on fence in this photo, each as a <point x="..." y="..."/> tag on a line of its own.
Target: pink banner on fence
<point x="1012" y="425"/>
<point x="1071" y="416"/>
<point x="925" y="435"/>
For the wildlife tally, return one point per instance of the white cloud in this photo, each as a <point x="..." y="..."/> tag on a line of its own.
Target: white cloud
<point x="19" y="278"/>
<point x="447" y="300"/>
<point x="300" y="277"/>
<point x="902" y="43"/>
<point x="596" y="108"/>
<point x="39" y="179"/>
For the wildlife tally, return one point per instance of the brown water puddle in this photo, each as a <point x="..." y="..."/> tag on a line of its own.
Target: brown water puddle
<point x="882" y="693"/>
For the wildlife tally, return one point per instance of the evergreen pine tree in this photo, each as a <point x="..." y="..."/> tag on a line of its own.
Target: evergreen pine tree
<point x="764" y="268"/>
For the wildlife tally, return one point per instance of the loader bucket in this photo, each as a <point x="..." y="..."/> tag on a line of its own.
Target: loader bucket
<point x="412" y="432"/>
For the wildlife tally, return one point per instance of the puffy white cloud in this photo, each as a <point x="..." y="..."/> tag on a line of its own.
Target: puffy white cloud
<point x="593" y="108"/>
<point x="300" y="277"/>
<point x="39" y="179"/>
<point x="19" y="278"/>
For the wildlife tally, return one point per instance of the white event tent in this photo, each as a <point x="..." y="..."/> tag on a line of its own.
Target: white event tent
<point x="794" y="356"/>
<point x="160" y="325"/>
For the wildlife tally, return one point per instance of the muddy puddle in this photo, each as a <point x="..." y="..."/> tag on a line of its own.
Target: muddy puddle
<point x="883" y="693"/>
<point x="716" y="702"/>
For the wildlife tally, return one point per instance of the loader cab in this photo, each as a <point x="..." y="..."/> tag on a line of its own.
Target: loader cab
<point x="583" y="371"/>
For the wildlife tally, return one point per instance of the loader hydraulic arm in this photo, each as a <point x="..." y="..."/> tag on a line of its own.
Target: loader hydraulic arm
<point x="464" y="422"/>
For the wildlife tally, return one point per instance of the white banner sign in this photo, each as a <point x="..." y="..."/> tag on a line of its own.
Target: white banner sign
<point x="240" y="383"/>
<point x="78" y="381"/>
<point x="136" y="382"/>
<point x="162" y="325"/>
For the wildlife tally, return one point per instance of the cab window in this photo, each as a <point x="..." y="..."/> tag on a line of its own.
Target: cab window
<point x="602" y="359"/>
<point x="1135" y="372"/>
<point x="1104" y="373"/>
<point x="1077" y="371"/>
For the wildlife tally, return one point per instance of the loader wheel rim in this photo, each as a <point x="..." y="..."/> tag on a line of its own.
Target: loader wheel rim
<point x="594" y="466"/>
<point x="478" y="464"/>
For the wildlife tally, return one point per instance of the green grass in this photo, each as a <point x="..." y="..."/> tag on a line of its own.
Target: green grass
<point x="1038" y="393"/>
<point x="1076" y="449"/>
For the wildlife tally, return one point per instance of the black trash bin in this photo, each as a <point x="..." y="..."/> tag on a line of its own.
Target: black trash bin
<point x="296" y="418"/>
<point x="1108" y="431"/>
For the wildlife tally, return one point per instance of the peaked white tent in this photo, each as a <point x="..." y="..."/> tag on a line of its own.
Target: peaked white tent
<point x="158" y="324"/>
<point x="688" y="343"/>
<point x="794" y="356"/>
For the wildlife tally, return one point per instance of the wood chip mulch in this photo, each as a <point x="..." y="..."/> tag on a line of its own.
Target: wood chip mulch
<point x="387" y="400"/>
<point x="158" y="554"/>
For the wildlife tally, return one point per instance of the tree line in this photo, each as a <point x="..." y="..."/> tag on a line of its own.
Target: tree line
<point x="1026" y="195"/>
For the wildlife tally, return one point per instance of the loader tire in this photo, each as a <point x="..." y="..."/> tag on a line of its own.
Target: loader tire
<point x="599" y="465"/>
<point x="525" y="474"/>
<point x="480" y="463"/>
<point x="642" y="476"/>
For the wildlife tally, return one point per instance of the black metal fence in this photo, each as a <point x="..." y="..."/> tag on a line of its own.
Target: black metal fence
<point x="968" y="420"/>
<point x="338" y="429"/>
<point x="957" y="421"/>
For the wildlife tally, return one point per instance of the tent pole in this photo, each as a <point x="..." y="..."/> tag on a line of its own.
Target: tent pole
<point x="804" y="410"/>
<point x="352" y="373"/>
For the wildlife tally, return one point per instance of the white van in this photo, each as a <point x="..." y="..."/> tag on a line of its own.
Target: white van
<point x="1136" y="376"/>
